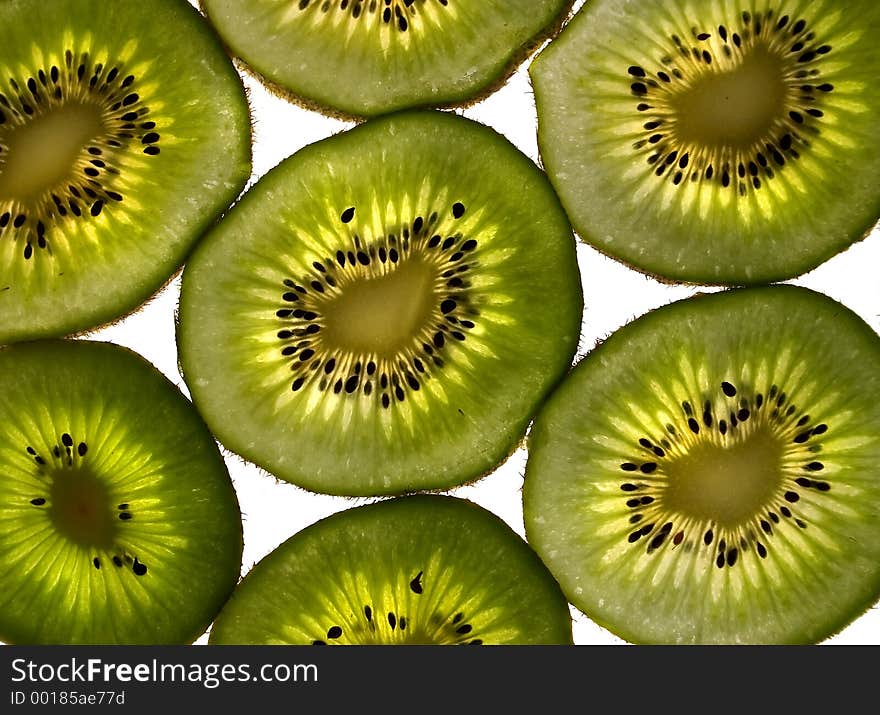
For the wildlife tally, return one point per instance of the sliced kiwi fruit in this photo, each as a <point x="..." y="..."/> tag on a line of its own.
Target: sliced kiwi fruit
<point x="732" y="142"/>
<point x="709" y="473"/>
<point x="120" y="142"/>
<point x="417" y="570"/>
<point x="385" y="310"/>
<point x="367" y="57"/>
<point x="118" y="520"/>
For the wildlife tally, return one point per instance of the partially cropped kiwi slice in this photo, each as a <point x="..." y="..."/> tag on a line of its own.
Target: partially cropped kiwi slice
<point x="118" y="520"/>
<point x="419" y="570"/>
<point x="368" y="57"/>
<point x="710" y="473"/>
<point x="729" y="142"/>
<point x="385" y="310"/>
<point x="124" y="133"/>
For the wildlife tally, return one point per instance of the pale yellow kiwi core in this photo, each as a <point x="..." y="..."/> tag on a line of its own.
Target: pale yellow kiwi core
<point x="733" y="108"/>
<point x="380" y="315"/>
<point x="42" y="153"/>
<point x="80" y="508"/>
<point x="726" y="483"/>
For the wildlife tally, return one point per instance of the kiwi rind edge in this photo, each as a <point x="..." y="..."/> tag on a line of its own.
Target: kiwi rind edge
<point x="462" y="100"/>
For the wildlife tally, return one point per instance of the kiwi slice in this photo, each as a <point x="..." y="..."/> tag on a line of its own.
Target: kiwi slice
<point x="709" y="473"/>
<point x="418" y="570"/>
<point x="731" y="142"/>
<point x="369" y="57"/>
<point x="384" y="311"/>
<point x="118" y="520"/>
<point x="120" y="142"/>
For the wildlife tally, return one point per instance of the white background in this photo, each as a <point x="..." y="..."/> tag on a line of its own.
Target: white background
<point x="614" y="295"/>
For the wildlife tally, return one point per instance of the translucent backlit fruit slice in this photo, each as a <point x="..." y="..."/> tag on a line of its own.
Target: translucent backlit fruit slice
<point x="121" y="141"/>
<point x="385" y="310"/>
<point x="709" y="473"/>
<point x="369" y="57"/>
<point x="421" y="570"/>
<point x="118" y="521"/>
<point x="722" y="142"/>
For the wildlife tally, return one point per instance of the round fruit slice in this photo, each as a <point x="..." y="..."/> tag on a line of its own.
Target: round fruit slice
<point x="709" y="474"/>
<point x="368" y="57"/>
<point x="385" y="310"/>
<point x="721" y="143"/>
<point x="118" y="520"/>
<point x="120" y="143"/>
<point x="420" y="570"/>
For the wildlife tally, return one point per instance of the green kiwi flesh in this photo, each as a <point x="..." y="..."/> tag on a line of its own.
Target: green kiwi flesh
<point x="419" y="570"/>
<point x="709" y="473"/>
<point x="370" y="57"/>
<point x="120" y="143"/>
<point x="118" y="520"/>
<point x="732" y="142"/>
<point x="385" y="310"/>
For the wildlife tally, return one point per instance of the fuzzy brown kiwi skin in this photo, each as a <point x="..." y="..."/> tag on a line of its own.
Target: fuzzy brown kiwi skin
<point x="461" y="101"/>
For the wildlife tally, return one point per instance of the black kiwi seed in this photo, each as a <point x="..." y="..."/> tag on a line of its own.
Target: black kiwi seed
<point x="416" y="584"/>
<point x="394" y="14"/>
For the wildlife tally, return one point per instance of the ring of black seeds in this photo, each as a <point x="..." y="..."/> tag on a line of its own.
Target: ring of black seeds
<point x="453" y="629"/>
<point x="91" y="186"/>
<point x="71" y="454"/>
<point x="385" y="380"/>
<point x="725" y="413"/>
<point x="655" y="90"/>
<point x="396" y="14"/>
